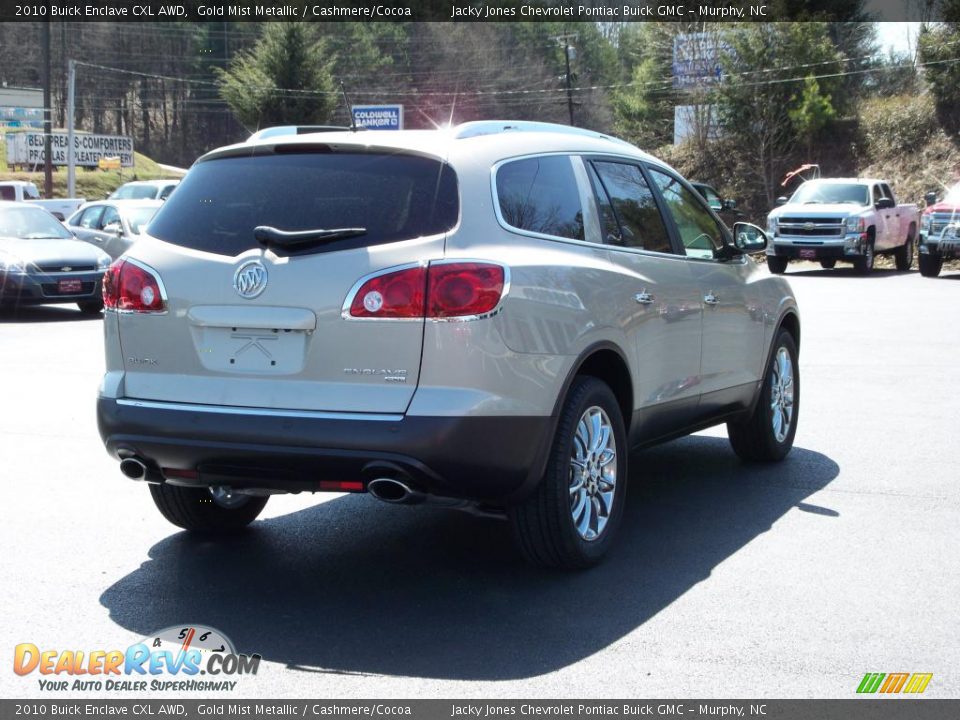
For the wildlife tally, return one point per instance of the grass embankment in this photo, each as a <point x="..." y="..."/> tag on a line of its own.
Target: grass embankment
<point x="91" y="184"/>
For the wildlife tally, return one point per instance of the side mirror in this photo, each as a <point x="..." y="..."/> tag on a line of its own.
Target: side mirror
<point x="749" y="238"/>
<point x="884" y="203"/>
<point x="729" y="204"/>
<point x="930" y="198"/>
<point x="782" y="200"/>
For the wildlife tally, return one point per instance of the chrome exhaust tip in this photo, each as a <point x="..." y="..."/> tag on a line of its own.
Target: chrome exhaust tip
<point x="133" y="468"/>
<point x="393" y="491"/>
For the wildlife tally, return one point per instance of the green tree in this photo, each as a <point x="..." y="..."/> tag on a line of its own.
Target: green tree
<point x="937" y="49"/>
<point x="285" y="79"/>
<point x="813" y="112"/>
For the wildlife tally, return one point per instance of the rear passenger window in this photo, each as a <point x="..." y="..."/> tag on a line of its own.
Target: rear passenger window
<point x="632" y="200"/>
<point x="541" y="195"/>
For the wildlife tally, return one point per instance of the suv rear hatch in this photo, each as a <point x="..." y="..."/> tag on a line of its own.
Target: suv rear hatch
<point x="260" y="323"/>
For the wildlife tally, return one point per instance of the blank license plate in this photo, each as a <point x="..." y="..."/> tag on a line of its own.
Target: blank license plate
<point x="809" y="254"/>
<point x="69" y="287"/>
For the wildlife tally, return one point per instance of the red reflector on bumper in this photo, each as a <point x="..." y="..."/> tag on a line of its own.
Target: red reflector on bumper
<point x="175" y="473"/>
<point x="337" y="486"/>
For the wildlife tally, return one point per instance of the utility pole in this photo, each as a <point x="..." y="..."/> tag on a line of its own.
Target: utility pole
<point x="71" y="99"/>
<point x="564" y="40"/>
<point x="47" y="123"/>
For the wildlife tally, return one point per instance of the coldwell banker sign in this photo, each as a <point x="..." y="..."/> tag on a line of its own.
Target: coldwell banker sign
<point x="26" y="148"/>
<point x="378" y="117"/>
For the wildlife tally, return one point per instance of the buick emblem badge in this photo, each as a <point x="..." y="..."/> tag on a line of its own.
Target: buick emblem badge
<point x="250" y="279"/>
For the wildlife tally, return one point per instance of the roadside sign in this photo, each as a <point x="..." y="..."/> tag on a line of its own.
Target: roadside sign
<point x="109" y="163"/>
<point x="26" y="148"/>
<point x="378" y="117"/>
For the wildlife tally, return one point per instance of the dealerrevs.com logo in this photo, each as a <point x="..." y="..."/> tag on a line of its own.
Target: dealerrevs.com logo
<point x="176" y="659"/>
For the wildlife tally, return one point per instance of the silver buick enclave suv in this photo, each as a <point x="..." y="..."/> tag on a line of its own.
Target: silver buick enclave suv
<point x="489" y="316"/>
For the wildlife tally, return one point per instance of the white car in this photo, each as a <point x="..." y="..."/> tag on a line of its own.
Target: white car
<point x="144" y="190"/>
<point x="113" y="225"/>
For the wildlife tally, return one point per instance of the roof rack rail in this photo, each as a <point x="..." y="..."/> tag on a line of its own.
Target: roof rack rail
<point x="283" y="130"/>
<point x="477" y="128"/>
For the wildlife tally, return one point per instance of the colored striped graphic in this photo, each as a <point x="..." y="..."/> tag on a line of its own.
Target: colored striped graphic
<point x="891" y="683"/>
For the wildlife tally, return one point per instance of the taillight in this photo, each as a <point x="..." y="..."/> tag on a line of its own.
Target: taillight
<point x="462" y="289"/>
<point x="131" y="287"/>
<point x="397" y="294"/>
<point x="444" y="290"/>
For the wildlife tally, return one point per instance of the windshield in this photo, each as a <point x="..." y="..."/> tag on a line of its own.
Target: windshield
<point x="393" y="197"/>
<point x="31" y="224"/>
<point x="814" y="192"/>
<point x="138" y="218"/>
<point x="135" y="192"/>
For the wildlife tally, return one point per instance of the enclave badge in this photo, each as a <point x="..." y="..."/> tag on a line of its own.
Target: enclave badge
<point x="250" y="279"/>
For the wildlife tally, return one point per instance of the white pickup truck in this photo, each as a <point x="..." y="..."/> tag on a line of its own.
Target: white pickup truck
<point x="21" y="191"/>
<point x="851" y="220"/>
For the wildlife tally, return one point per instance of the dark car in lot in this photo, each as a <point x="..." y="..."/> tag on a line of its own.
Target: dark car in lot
<point x="42" y="262"/>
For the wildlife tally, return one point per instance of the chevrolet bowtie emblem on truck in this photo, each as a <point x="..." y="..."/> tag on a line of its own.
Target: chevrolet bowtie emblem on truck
<point x="808" y="226"/>
<point x="250" y="279"/>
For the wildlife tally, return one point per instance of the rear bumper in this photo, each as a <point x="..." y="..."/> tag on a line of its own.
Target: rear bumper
<point x="34" y="289"/>
<point x="492" y="459"/>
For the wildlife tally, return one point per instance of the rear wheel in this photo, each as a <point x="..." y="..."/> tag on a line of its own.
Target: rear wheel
<point x="904" y="255"/>
<point x="827" y="264"/>
<point x="777" y="265"/>
<point x="90" y="307"/>
<point x="214" y="511"/>
<point x="930" y="265"/>
<point x="767" y="435"/>
<point x="571" y="518"/>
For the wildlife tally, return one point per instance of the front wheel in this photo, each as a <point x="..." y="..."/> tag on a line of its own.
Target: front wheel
<point x="571" y="518"/>
<point x="930" y="265"/>
<point x="864" y="263"/>
<point x="903" y="255"/>
<point x="90" y="307"/>
<point x="767" y="435"/>
<point x="202" y="510"/>
<point x="777" y="265"/>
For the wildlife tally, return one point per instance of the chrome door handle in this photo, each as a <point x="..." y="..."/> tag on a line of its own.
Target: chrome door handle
<point x="711" y="299"/>
<point x="643" y="298"/>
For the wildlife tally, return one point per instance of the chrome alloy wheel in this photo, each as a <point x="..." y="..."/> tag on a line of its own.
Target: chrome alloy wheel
<point x="781" y="394"/>
<point x="593" y="473"/>
<point x="225" y="497"/>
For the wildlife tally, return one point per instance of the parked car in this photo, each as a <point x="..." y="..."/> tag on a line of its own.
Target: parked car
<point x="842" y="219"/>
<point x="365" y="319"/>
<point x="42" y="262"/>
<point x="144" y="190"/>
<point x="21" y="191"/>
<point x="113" y="225"/>
<point x="726" y="209"/>
<point x="938" y="237"/>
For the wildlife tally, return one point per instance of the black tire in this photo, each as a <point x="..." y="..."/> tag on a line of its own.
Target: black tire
<point x="930" y="265"/>
<point x="754" y="439"/>
<point x="90" y="307"/>
<point x="777" y="265"/>
<point x="864" y="263"/>
<point x="828" y="264"/>
<point x="903" y="255"/>
<point x="194" y="509"/>
<point x="543" y="524"/>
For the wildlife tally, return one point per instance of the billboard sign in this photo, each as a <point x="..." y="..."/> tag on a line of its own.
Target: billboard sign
<point x="26" y="148"/>
<point x="378" y="117"/>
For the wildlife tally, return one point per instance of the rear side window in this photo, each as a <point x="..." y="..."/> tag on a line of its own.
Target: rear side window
<point x="635" y="208"/>
<point x="8" y="193"/>
<point x="541" y="195"/>
<point x="394" y="197"/>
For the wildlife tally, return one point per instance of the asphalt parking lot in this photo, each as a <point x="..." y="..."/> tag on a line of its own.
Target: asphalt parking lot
<point x="727" y="581"/>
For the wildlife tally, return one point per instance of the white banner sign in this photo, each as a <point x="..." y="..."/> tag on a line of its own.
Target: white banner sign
<point x="26" y="148"/>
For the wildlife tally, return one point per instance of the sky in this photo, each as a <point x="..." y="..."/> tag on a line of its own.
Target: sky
<point x="899" y="36"/>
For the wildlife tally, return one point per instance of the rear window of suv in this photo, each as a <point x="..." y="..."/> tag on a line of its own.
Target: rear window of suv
<point x="395" y="197"/>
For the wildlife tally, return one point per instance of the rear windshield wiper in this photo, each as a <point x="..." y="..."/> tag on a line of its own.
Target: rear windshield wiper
<point x="297" y="239"/>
